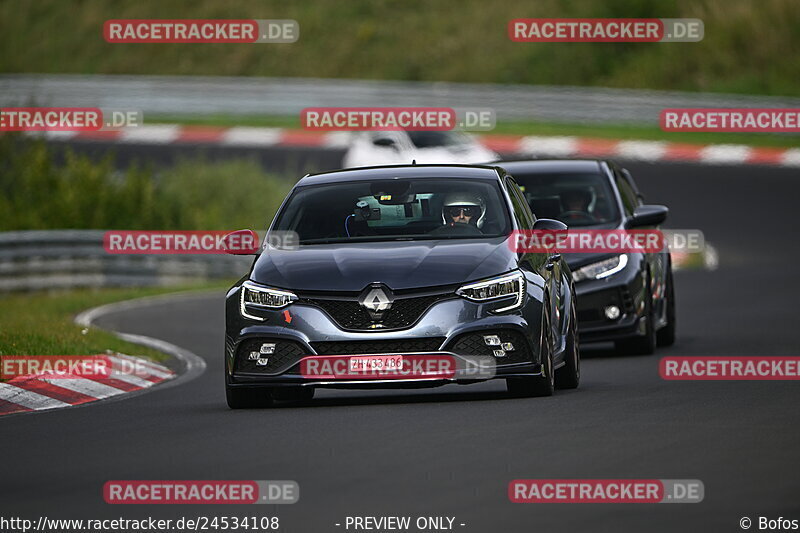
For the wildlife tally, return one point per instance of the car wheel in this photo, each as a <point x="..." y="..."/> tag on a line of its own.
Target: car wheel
<point x="542" y="385"/>
<point x="666" y="335"/>
<point x="646" y="344"/>
<point x="569" y="375"/>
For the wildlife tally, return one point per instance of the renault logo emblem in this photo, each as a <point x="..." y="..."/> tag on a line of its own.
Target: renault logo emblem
<point x="377" y="300"/>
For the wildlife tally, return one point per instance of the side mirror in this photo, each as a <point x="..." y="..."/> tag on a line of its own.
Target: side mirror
<point x="647" y="215"/>
<point x="549" y="224"/>
<point x="241" y="242"/>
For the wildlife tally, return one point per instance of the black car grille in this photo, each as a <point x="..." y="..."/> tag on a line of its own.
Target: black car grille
<point x="389" y="346"/>
<point x="286" y="354"/>
<point x="473" y="344"/>
<point x="350" y="315"/>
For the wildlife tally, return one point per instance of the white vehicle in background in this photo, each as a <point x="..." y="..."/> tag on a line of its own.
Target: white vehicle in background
<point x="425" y="147"/>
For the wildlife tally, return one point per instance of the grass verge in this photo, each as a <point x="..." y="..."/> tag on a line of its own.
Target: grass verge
<point x="42" y="323"/>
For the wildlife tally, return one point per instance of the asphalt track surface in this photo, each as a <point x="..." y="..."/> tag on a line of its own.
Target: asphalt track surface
<point x="452" y="451"/>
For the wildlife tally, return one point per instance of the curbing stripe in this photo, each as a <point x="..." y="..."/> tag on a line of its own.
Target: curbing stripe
<point x="25" y="398"/>
<point x="531" y="145"/>
<point x="92" y="388"/>
<point x="54" y="391"/>
<point x="7" y="408"/>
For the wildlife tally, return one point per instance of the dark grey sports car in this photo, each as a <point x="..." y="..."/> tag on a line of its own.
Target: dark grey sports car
<point x="396" y="266"/>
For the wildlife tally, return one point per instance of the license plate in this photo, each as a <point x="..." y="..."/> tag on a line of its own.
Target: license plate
<point x="376" y="363"/>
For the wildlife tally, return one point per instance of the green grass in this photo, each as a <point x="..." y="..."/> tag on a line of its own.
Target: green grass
<point x="42" y="323"/>
<point x="750" y="46"/>
<point x="524" y="128"/>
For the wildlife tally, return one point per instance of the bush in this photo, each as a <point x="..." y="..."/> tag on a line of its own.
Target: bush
<point x="38" y="193"/>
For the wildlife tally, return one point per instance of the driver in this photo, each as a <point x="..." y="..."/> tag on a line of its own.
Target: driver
<point x="576" y="203"/>
<point x="462" y="213"/>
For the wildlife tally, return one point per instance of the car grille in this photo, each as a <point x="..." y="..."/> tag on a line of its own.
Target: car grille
<point x="286" y="354"/>
<point x="388" y="346"/>
<point x="473" y="344"/>
<point x="350" y="315"/>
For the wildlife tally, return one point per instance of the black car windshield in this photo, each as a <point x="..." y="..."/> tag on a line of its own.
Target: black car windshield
<point x="395" y="209"/>
<point x="574" y="199"/>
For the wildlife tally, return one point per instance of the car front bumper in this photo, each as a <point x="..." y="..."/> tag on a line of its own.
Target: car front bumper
<point x="451" y="327"/>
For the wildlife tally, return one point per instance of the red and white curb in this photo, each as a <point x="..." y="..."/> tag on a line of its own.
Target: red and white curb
<point x="48" y="391"/>
<point x="519" y="145"/>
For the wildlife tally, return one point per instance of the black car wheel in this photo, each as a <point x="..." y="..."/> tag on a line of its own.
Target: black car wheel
<point x="646" y="344"/>
<point x="543" y="384"/>
<point x="666" y="335"/>
<point x="569" y="375"/>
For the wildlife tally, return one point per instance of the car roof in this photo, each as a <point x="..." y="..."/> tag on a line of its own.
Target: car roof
<point x="552" y="166"/>
<point x="401" y="171"/>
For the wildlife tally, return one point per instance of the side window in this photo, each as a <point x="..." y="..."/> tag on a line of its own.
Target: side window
<point x="522" y="212"/>
<point x="629" y="200"/>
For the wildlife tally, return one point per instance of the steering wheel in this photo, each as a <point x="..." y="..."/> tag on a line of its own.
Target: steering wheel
<point x="577" y="215"/>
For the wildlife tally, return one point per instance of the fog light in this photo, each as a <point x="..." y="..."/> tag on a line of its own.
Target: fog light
<point x="491" y="340"/>
<point x="499" y="353"/>
<point x="507" y="346"/>
<point x="268" y="348"/>
<point x="262" y="361"/>
<point x="253" y="356"/>
<point x="612" y="312"/>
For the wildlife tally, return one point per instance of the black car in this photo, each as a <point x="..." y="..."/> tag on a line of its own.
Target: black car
<point x="626" y="298"/>
<point x="398" y="263"/>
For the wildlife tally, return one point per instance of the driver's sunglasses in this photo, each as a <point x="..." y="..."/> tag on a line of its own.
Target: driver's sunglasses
<point x="469" y="211"/>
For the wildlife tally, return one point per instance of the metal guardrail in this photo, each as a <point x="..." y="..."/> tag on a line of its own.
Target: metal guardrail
<point x="58" y="259"/>
<point x="197" y="96"/>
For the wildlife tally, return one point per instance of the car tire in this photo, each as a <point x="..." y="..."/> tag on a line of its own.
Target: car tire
<point x="569" y="375"/>
<point x="536" y="386"/>
<point x="666" y="335"/>
<point x="646" y="344"/>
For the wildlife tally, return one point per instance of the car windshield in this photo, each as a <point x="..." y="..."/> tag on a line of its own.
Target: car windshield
<point x="574" y="199"/>
<point x="395" y="209"/>
<point x="433" y="139"/>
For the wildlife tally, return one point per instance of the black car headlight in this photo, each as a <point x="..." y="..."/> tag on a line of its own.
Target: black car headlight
<point x="601" y="269"/>
<point x="512" y="284"/>
<point x="255" y="296"/>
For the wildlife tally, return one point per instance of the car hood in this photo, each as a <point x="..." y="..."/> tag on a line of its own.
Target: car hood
<point x="399" y="265"/>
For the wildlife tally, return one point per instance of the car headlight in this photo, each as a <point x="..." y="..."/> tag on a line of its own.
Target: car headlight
<point x="601" y="269"/>
<point x="260" y="297"/>
<point x="495" y="288"/>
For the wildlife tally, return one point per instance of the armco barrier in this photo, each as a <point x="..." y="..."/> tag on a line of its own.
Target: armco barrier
<point x="35" y="260"/>
<point x="199" y="95"/>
